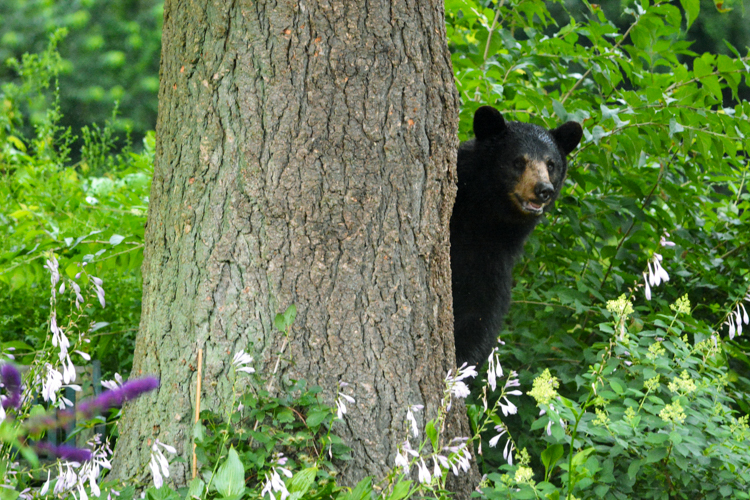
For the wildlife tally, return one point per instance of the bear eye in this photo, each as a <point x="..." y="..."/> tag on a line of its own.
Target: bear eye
<point x="550" y="165"/>
<point x="520" y="163"/>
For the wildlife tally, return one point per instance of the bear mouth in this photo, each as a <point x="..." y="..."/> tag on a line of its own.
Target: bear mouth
<point x="529" y="207"/>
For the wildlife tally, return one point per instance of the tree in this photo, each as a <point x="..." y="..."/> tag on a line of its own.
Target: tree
<point x="305" y="155"/>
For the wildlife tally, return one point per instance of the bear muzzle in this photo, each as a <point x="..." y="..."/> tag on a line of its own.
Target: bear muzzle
<point x="533" y="191"/>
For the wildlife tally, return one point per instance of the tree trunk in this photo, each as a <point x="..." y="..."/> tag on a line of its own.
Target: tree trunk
<point x="305" y="155"/>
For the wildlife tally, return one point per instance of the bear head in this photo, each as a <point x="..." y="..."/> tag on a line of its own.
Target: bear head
<point x="524" y="163"/>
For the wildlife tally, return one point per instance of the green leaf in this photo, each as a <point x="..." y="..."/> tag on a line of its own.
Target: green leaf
<point x="196" y="488"/>
<point x="284" y="320"/>
<point x="302" y="480"/>
<point x="692" y="9"/>
<point x="656" y="454"/>
<point x="675" y="127"/>
<point x="229" y="480"/>
<point x="400" y="490"/>
<point x="633" y="468"/>
<point x="199" y="432"/>
<point x="551" y="455"/>
<point x="361" y="491"/>
<point x="617" y="386"/>
<point x="432" y="433"/>
<point x="116" y="239"/>
<point x="316" y="417"/>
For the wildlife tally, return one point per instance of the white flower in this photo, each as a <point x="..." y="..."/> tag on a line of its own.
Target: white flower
<point x="340" y="406"/>
<point x="659" y="274"/>
<point x="436" y="471"/>
<point x="424" y="472"/>
<point x="69" y="371"/>
<point x="52" y="267"/>
<point x="648" y="287"/>
<point x="508" y="452"/>
<point x="412" y="420"/>
<point x="460" y="390"/>
<point x="51" y="384"/>
<point x="461" y="461"/>
<point x="240" y="360"/>
<point x="98" y="289"/>
<point x="508" y="408"/>
<point x="77" y="290"/>
<point x="402" y="461"/>
<point x="494" y="370"/>
<point x="159" y="464"/>
<point x="45" y="488"/>
<point x="465" y="371"/>
<point x="663" y="241"/>
<point x="502" y="430"/>
<point x="113" y="384"/>
<point x="274" y="482"/>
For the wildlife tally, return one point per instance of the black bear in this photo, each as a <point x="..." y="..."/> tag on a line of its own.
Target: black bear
<point x="508" y="176"/>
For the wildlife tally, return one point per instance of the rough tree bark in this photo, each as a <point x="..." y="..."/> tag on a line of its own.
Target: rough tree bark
<point x="305" y="155"/>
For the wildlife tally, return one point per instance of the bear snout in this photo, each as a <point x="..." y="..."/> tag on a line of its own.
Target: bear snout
<point x="544" y="191"/>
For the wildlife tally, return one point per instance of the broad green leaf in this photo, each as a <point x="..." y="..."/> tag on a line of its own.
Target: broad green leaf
<point x="551" y="455"/>
<point x="656" y="454"/>
<point x="361" y="491"/>
<point x="400" y="490"/>
<point x="302" y="480"/>
<point x="282" y="321"/>
<point x="116" y="239"/>
<point x="229" y="480"/>
<point x="692" y="9"/>
<point x="195" y="490"/>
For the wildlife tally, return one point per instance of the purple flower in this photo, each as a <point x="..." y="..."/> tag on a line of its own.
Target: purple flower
<point x="12" y="381"/>
<point x="116" y="397"/>
<point x="66" y="452"/>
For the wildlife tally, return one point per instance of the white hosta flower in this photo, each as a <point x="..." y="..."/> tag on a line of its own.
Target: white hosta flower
<point x="413" y="421"/>
<point x="67" y="479"/>
<point x="663" y="241"/>
<point x="508" y="452"/>
<point x="51" y="383"/>
<point x="98" y="289"/>
<point x="159" y="464"/>
<point x="52" y="267"/>
<point x="69" y="370"/>
<point x="45" y="488"/>
<point x="340" y="406"/>
<point x="424" y="472"/>
<point x="402" y="461"/>
<point x="494" y="370"/>
<point x="502" y="430"/>
<point x="113" y="384"/>
<point x="436" y="470"/>
<point x="508" y="408"/>
<point x="241" y="360"/>
<point x="76" y="289"/>
<point x="273" y="481"/>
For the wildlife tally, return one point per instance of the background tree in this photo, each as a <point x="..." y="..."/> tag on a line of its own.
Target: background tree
<point x="305" y="155"/>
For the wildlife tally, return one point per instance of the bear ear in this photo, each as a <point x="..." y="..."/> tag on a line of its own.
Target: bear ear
<point x="488" y="122"/>
<point x="568" y="135"/>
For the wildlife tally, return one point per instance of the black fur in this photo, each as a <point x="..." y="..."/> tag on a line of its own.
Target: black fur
<point x="489" y="227"/>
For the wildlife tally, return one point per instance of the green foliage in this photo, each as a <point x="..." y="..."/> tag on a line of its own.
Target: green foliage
<point x="48" y="206"/>
<point x="295" y="426"/>
<point x="111" y="55"/>
<point x="663" y="160"/>
<point x="655" y="420"/>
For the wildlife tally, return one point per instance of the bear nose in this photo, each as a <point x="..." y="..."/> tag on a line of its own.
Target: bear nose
<point x="544" y="191"/>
